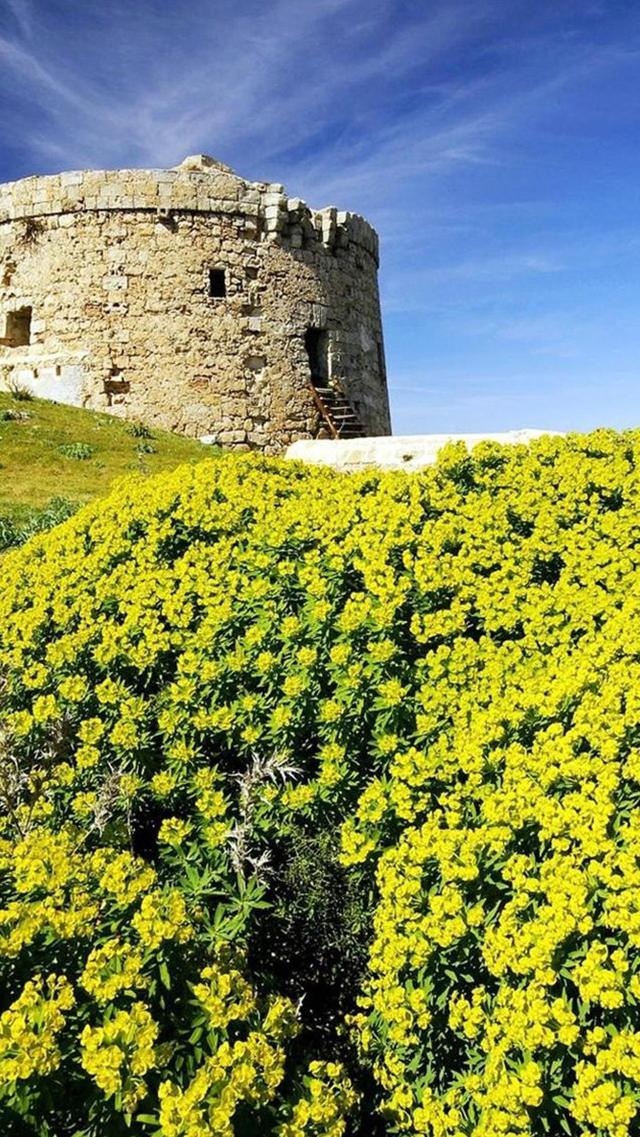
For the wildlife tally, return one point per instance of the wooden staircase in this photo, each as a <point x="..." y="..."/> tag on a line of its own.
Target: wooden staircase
<point x="337" y="413"/>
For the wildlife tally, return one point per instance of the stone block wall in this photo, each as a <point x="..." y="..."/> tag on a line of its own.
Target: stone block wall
<point x="183" y="298"/>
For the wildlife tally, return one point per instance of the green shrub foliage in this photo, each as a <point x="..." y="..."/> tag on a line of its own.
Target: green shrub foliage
<point x="319" y="802"/>
<point x="78" y="450"/>
<point x="15" y="531"/>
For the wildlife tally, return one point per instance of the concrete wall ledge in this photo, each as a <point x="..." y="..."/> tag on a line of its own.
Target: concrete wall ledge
<point x="409" y="452"/>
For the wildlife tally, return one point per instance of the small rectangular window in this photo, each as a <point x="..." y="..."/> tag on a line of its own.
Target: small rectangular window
<point x="217" y="283"/>
<point x="18" y="328"/>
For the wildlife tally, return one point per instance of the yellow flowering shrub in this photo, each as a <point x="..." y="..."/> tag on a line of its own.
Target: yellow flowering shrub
<point x="429" y="684"/>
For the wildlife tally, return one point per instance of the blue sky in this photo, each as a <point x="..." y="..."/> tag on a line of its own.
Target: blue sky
<point x="495" y="145"/>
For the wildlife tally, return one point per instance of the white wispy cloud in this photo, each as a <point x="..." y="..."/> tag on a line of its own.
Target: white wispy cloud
<point x="205" y="77"/>
<point x="414" y="114"/>
<point x="146" y="84"/>
<point x="22" y="13"/>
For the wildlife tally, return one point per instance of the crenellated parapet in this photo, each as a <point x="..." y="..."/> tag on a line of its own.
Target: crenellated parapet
<point x="263" y="207"/>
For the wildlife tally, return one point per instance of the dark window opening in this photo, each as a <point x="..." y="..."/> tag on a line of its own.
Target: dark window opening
<point x="217" y="283"/>
<point x="316" y="341"/>
<point x="18" y="328"/>
<point x="381" y="366"/>
<point x="116" y="388"/>
<point x="256" y="362"/>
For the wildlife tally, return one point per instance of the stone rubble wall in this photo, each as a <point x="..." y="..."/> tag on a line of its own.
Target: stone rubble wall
<point x="114" y="265"/>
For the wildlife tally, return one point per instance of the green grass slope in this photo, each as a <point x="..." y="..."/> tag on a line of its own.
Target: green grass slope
<point x="50" y="451"/>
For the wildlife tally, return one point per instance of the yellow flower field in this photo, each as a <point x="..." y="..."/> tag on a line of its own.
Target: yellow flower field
<point x="318" y="802"/>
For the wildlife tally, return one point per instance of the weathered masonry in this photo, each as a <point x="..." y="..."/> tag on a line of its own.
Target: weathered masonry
<point x="192" y="300"/>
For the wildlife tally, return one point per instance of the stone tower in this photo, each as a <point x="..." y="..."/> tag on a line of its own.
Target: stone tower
<point x="192" y="300"/>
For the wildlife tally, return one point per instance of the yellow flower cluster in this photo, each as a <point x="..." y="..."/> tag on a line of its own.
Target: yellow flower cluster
<point x="174" y="831"/>
<point x="29" y="1030"/>
<point x="162" y="915"/>
<point x="606" y="1099"/>
<point x="112" y="968"/>
<point x="241" y="1073"/>
<point x="118" y="1054"/>
<point x="324" y="1105"/>
<point x="225" y="995"/>
<point x="445" y="666"/>
<point x="248" y="1071"/>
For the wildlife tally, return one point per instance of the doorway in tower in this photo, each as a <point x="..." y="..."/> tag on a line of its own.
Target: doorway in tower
<point x="316" y="341"/>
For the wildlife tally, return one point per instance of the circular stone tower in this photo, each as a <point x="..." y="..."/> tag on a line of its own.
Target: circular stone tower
<point x="193" y="300"/>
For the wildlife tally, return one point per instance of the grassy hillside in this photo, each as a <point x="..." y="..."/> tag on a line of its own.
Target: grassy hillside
<point x="50" y="451"/>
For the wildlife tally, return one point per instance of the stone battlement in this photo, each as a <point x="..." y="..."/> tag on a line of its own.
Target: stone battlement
<point x="207" y="189"/>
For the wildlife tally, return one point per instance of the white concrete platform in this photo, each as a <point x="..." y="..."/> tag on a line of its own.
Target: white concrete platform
<point x="408" y="452"/>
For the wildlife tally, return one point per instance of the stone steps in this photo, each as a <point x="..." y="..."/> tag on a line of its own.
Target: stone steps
<point x="339" y="414"/>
